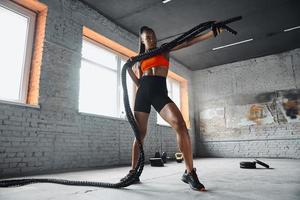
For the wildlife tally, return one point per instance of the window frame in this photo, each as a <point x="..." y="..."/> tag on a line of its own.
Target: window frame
<point x="184" y="97"/>
<point x="119" y="58"/>
<point x="27" y="59"/>
<point x="171" y="80"/>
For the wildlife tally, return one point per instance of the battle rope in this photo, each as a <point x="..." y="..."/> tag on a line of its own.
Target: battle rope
<point x="130" y="62"/>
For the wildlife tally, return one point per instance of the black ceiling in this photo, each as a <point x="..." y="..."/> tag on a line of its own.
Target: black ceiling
<point x="263" y="20"/>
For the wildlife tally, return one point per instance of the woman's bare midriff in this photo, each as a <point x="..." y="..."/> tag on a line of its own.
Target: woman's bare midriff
<point x="156" y="71"/>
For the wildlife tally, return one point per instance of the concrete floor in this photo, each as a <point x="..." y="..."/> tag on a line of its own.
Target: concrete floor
<point x="222" y="177"/>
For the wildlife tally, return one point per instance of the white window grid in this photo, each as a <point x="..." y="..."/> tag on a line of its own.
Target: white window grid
<point x="31" y="17"/>
<point x="120" y="58"/>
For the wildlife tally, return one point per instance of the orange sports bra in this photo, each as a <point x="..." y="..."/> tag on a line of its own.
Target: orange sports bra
<point x="155" y="61"/>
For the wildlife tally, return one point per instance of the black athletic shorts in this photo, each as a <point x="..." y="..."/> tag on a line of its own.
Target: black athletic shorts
<point x="152" y="91"/>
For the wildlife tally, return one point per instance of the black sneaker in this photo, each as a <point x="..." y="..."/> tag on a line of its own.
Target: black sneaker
<point x="192" y="179"/>
<point x="137" y="180"/>
<point x="184" y="177"/>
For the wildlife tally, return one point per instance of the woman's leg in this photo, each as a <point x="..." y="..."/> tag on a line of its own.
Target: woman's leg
<point x="173" y="116"/>
<point x="142" y="123"/>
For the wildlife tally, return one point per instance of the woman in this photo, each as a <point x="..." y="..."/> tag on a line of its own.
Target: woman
<point x="152" y="90"/>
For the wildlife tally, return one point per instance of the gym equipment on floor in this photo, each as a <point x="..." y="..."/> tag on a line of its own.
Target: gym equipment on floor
<point x="179" y="157"/>
<point x="156" y="161"/>
<point x="252" y="165"/>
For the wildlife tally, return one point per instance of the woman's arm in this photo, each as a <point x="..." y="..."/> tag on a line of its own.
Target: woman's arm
<point x="195" y="40"/>
<point x="133" y="76"/>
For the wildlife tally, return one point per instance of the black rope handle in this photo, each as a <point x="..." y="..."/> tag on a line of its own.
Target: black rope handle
<point x="223" y="24"/>
<point x="140" y="164"/>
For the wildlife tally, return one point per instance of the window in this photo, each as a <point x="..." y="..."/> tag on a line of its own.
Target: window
<point x="16" y="39"/>
<point x="100" y="90"/>
<point x="174" y="93"/>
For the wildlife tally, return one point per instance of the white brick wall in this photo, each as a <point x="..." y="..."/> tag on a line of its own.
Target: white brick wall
<point x="230" y="87"/>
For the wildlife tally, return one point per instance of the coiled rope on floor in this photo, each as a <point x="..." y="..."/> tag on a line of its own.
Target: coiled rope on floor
<point x="130" y="62"/>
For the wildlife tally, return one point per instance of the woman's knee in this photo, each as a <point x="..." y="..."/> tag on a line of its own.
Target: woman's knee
<point x="179" y="125"/>
<point x="142" y="135"/>
<point x="136" y="142"/>
<point x="142" y="132"/>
